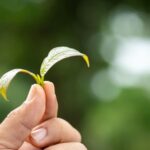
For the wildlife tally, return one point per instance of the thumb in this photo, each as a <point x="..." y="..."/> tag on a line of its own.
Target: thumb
<point x="17" y="126"/>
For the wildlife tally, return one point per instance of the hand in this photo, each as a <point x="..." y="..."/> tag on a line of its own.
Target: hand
<point x="35" y="126"/>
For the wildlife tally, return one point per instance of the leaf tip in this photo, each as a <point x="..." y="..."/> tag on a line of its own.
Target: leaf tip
<point x="85" y="57"/>
<point x="3" y="93"/>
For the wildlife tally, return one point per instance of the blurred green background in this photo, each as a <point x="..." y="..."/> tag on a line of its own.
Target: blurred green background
<point x="108" y="103"/>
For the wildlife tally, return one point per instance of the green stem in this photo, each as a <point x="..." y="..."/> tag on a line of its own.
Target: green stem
<point x="32" y="74"/>
<point x="39" y="80"/>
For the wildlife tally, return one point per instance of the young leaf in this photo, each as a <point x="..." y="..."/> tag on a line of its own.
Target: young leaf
<point x="56" y="55"/>
<point x="7" y="78"/>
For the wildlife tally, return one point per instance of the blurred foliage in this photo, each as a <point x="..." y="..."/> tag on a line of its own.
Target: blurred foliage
<point x="110" y="102"/>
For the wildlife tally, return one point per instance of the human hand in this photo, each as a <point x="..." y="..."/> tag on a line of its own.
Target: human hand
<point x="35" y="126"/>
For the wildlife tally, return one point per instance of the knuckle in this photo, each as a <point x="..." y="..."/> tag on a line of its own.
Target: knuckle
<point x="65" y="126"/>
<point x="25" y="125"/>
<point x="17" y="111"/>
<point x="13" y="113"/>
<point x="81" y="146"/>
<point x="68" y="146"/>
<point x="60" y="122"/>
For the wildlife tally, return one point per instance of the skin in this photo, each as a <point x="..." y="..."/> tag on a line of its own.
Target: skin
<point x="38" y="114"/>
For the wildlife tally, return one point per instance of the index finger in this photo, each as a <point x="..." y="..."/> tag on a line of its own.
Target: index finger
<point x="51" y="101"/>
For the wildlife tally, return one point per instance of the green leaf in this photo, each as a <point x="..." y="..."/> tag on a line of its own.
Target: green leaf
<point x="56" y="55"/>
<point x="6" y="79"/>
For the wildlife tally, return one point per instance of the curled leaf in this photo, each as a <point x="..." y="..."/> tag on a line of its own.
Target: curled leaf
<point x="56" y="55"/>
<point x="6" y="79"/>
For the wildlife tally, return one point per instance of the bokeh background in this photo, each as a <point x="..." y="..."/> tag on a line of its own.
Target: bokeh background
<point x="108" y="103"/>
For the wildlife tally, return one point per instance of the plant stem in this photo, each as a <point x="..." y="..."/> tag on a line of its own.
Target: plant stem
<point x="39" y="80"/>
<point x="32" y="74"/>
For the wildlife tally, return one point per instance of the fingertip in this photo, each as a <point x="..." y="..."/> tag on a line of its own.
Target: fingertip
<point x="31" y="93"/>
<point x="36" y="98"/>
<point x="35" y="89"/>
<point x="48" y="82"/>
<point x="78" y="135"/>
<point x="49" y="86"/>
<point x="39" y="90"/>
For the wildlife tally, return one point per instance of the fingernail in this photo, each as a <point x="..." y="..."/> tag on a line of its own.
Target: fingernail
<point x="31" y="94"/>
<point x="39" y="134"/>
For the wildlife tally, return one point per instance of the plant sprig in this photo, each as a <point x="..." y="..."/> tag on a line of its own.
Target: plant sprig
<point x="55" y="55"/>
